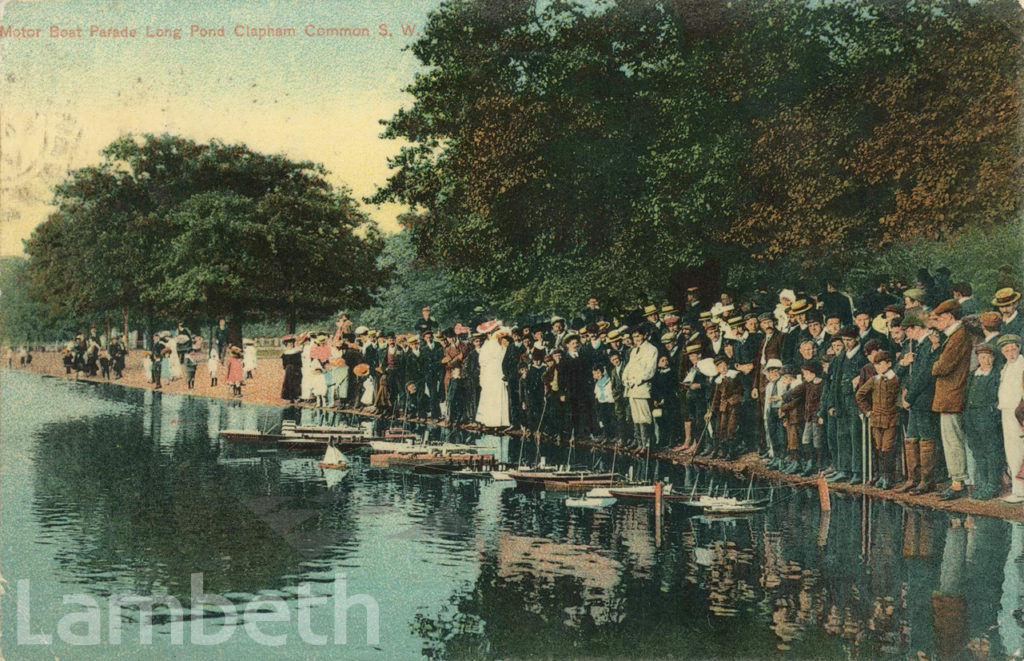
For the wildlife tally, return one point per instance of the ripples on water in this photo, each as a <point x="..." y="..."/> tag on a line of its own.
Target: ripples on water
<point x="120" y="490"/>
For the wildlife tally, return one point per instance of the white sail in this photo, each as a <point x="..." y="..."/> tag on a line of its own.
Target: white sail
<point x="334" y="456"/>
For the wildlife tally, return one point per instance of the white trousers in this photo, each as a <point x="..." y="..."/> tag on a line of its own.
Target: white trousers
<point x="1013" y="444"/>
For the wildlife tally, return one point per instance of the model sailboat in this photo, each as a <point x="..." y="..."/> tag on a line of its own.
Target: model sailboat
<point x="333" y="459"/>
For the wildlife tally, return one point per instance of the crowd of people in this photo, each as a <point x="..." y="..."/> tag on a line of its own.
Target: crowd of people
<point x="88" y="355"/>
<point x="177" y="356"/>
<point x="172" y="355"/>
<point x="904" y="387"/>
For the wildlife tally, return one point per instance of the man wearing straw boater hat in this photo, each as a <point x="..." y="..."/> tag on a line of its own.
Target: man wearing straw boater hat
<point x="1007" y="300"/>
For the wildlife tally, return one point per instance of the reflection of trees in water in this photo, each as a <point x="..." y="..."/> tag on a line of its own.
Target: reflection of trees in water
<point x="138" y="503"/>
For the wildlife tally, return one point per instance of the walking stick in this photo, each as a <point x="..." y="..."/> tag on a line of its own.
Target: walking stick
<point x="865" y="457"/>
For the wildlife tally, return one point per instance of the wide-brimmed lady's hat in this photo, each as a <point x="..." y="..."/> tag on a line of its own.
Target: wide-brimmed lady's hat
<point x="488" y="326"/>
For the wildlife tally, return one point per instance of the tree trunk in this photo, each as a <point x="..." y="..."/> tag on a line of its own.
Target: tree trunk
<point x="124" y="326"/>
<point x="106" y="324"/>
<point x="235" y="328"/>
<point x="292" y="319"/>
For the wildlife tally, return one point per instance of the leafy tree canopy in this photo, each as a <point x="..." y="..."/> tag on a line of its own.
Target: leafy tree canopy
<point x="169" y="227"/>
<point x="559" y="149"/>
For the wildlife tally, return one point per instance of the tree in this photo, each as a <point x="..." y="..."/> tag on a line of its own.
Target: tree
<point x="526" y="133"/>
<point x="170" y="227"/>
<point x="559" y="149"/>
<point x="411" y="285"/>
<point x="24" y="319"/>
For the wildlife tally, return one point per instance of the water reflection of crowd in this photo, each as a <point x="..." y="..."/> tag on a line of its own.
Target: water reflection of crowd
<point x="870" y="580"/>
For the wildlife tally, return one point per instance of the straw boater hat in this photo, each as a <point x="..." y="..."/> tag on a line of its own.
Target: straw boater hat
<point x="236" y="351"/>
<point x="668" y="309"/>
<point x="650" y="309"/>
<point x="800" y="307"/>
<point x="1006" y="296"/>
<point x="362" y="369"/>
<point x="693" y="348"/>
<point x="614" y="335"/>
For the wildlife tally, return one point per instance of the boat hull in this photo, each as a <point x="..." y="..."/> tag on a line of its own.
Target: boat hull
<point x="563" y="480"/>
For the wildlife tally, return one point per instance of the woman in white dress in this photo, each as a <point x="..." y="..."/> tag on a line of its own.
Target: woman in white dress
<point x="175" y="363"/>
<point x="493" y="410"/>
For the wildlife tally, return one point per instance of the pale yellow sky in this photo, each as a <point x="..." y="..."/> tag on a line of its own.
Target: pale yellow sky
<point x="62" y="101"/>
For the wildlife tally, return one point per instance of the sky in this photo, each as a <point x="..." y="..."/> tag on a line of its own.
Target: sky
<point x="319" y="98"/>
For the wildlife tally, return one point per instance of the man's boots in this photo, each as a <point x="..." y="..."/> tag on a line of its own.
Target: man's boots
<point x="911" y="450"/>
<point x="813" y="461"/>
<point x="886" y="469"/>
<point x="927" y="467"/>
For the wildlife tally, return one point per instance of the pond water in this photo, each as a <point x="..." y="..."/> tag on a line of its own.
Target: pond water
<point x="109" y="494"/>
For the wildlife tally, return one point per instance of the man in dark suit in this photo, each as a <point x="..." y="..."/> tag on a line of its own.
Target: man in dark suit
<point x="873" y="301"/>
<point x="432" y="354"/>
<point x="964" y="293"/>
<point x="1008" y="302"/>
<point x="835" y="302"/>
<point x="693" y="306"/>
<point x="413" y="368"/>
<point x="592" y="313"/>
<point x="578" y="386"/>
<point x="220" y="336"/>
<point x="845" y="369"/>
<point x="865" y="332"/>
<point x="922" y="434"/>
<point x="425" y="322"/>
<point x="510" y="371"/>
